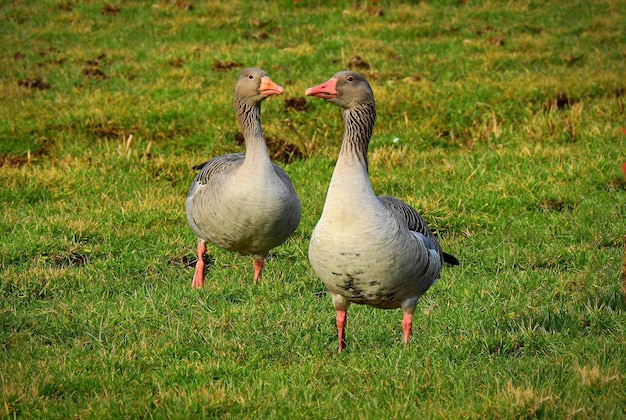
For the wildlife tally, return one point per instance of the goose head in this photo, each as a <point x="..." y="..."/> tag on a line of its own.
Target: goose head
<point x="255" y="85"/>
<point x="346" y="89"/>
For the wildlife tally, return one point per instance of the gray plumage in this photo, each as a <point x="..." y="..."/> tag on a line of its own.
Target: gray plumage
<point x="416" y="223"/>
<point x="366" y="249"/>
<point x="243" y="202"/>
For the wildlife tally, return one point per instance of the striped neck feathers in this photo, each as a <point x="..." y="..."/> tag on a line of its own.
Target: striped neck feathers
<point x="358" y="126"/>
<point x="249" y="119"/>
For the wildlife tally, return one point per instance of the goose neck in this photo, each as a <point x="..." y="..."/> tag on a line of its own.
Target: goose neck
<point x="249" y="119"/>
<point x="358" y="126"/>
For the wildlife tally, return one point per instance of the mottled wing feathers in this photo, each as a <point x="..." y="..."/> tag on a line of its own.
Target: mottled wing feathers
<point x="224" y="163"/>
<point x="402" y="210"/>
<point x="415" y="222"/>
<point x="218" y="165"/>
<point x="214" y="167"/>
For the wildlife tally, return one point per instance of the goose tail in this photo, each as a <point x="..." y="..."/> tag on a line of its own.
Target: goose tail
<point x="450" y="259"/>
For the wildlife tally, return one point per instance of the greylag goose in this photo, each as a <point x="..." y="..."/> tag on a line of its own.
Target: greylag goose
<point x="243" y="202"/>
<point x="368" y="249"/>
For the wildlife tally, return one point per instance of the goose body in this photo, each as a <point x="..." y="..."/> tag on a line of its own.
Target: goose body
<point x="243" y="202"/>
<point x="367" y="249"/>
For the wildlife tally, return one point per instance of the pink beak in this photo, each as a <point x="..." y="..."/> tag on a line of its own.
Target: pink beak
<point x="269" y="88"/>
<point x="327" y="90"/>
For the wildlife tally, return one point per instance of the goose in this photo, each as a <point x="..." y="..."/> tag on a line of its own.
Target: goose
<point x="243" y="202"/>
<point x="368" y="249"/>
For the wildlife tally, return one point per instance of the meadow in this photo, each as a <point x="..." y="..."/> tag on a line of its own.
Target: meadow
<point x="502" y="122"/>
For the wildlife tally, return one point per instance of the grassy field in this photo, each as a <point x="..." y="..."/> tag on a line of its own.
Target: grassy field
<point x="502" y="122"/>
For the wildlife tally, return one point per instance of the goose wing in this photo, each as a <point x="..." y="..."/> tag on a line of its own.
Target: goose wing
<point x="214" y="168"/>
<point x="416" y="223"/>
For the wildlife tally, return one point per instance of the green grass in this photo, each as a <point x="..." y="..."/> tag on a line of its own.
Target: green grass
<point x="508" y="118"/>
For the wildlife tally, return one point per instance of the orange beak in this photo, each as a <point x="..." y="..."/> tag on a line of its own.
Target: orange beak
<point x="327" y="90"/>
<point x="269" y="88"/>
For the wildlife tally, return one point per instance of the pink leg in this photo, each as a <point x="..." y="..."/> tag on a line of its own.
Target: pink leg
<point x="342" y="316"/>
<point x="198" y="275"/>
<point x="407" y="325"/>
<point x="258" y="266"/>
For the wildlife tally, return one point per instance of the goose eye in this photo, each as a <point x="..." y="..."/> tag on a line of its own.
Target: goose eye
<point x="250" y="76"/>
<point x="350" y="78"/>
